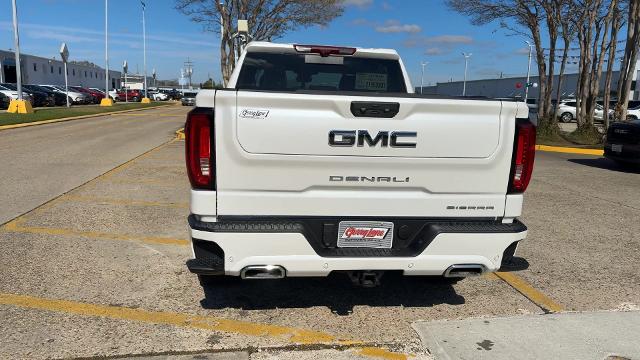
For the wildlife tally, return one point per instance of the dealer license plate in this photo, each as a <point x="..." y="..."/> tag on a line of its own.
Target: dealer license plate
<point x="366" y="234"/>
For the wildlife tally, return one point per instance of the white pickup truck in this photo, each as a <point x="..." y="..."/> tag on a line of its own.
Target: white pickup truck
<point x="320" y="159"/>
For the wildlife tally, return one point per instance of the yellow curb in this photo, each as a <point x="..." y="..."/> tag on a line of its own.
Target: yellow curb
<point x="180" y="134"/>
<point x="34" y="123"/>
<point x="569" y="150"/>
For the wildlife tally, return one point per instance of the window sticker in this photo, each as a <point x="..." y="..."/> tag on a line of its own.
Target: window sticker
<point x="371" y="81"/>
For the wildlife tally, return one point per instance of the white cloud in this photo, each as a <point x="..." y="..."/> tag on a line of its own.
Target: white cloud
<point x="400" y="28"/>
<point x="449" y="39"/>
<point x="358" y="3"/>
<point x="435" y="51"/>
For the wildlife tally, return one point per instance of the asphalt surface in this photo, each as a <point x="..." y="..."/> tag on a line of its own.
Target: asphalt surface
<point x="42" y="162"/>
<point x="99" y="271"/>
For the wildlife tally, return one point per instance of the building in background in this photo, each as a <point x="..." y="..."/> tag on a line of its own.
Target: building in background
<point x="515" y="87"/>
<point x="40" y="70"/>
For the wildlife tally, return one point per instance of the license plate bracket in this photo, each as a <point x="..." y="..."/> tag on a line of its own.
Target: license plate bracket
<point x="365" y="234"/>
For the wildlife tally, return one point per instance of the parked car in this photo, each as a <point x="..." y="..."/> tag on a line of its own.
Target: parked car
<point x="13" y="94"/>
<point x="172" y="93"/>
<point x="158" y="96"/>
<point x="567" y="111"/>
<point x="387" y="201"/>
<point x="57" y="99"/>
<point x="634" y="113"/>
<point x="113" y="94"/>
<point x="75" y="97"/>
<point x="4" y="101"/>
<point x="94" y="95"/>
<point x="189" y="98"/>
<point x="622" y="143"/>
<point x="130" y="95"/>
<point x="38" y="98"/>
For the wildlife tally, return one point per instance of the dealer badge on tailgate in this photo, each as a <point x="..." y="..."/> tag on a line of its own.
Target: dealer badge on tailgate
<point x="367" y="234"/>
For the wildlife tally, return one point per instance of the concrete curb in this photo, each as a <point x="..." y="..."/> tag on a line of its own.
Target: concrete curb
<point x="570" y="150"/>
<point x="52" y="121"/>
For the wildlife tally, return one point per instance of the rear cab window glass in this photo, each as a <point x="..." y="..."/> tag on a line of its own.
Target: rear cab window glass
<point x="301" y="72"/>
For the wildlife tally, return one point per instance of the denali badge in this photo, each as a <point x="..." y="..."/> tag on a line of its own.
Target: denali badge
<point x="371" y="179"/>
<point x="394" y="139"/>
<point x="254" y="114"/>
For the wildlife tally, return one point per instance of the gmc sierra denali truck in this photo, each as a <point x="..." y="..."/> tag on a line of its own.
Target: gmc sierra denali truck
<point x="318" y="159"/>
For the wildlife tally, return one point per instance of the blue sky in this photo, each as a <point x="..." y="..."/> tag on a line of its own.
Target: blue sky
<point x="421" y="30"/>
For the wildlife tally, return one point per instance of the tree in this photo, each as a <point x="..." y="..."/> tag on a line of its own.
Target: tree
<point x="562" y="12"/>
<point x="521" y="17"/>
<point x="629" y="60"/>
<point x="616" y="25"/>
<point x="268" y="20"/>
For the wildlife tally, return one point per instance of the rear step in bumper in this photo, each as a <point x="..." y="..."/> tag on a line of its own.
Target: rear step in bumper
<point x="237" y="245"/>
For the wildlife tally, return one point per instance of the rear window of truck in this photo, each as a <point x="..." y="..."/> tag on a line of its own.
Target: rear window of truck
<point x="297" y="72"/>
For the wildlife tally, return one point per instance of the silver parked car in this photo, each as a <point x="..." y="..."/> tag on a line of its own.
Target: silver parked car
<point x="189" y="98"/>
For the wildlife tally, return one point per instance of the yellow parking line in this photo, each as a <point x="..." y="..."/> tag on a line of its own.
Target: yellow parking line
<point x="125" y="201"/>
<point x="570" y="150"/>
<point x="535" y="296"/>
<point x="180" y="134"/>
<point x="289" y="334"/>
<point x="16" y="226"/>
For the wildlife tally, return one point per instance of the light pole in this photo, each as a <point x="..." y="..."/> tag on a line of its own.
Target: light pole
<point x="526" y="88"/>
<point x="64" y="54"/>
<point x="423" y="64"/>
<point x="125" y="68"/>
<point x="466" y="65"/>
<point x="18" y="105"/>
<point x="144" y="49"/>
<point x="107" y="100"/>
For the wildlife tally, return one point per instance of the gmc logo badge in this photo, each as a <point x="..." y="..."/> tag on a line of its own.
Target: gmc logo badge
<point x="394" y="139"/>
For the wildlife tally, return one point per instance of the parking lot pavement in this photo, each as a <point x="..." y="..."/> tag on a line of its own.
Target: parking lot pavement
<point x="99" y="271"/>
<point x="44" y="161"/>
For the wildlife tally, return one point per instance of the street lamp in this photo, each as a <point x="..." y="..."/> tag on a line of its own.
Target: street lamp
<point x="19" y="105"/>
<point x="526" y="88"/>
<point x="144" y="47"/>
<point x="423" y="64"/>
<point x="107" y="100"/>
<point x="466" y="65"/>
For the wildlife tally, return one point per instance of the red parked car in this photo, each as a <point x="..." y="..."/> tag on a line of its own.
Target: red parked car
<point x="95" y="95"/>
<point x="131" y="95"/>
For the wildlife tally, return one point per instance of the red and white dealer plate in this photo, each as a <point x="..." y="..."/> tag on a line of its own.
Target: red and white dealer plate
<point x="366" y="234"/>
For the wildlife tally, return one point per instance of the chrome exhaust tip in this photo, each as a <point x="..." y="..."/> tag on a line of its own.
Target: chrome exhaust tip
<point x="263" y="272"/>
<point x="464" y="270"/>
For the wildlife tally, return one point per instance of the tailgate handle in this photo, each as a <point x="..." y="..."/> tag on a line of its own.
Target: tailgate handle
<point x="374" y="109"/>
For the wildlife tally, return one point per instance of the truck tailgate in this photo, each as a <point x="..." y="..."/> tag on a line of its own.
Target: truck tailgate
<point x="274" y="157"/>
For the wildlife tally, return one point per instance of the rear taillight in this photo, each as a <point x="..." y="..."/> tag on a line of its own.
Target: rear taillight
<point x="325" y="51"/>
<point x="198" y="146"/>
<point x="524" y="152"/>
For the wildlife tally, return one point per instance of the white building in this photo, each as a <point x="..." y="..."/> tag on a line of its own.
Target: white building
<point x="40" y="70"/>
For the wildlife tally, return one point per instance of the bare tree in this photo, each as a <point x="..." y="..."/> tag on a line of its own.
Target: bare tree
<point x="268" y="20"/>
<point x="523" y="17"/>
<point x="629" y="60"/>
<point x="616" y="25"/>
<point x="564" y="10"/>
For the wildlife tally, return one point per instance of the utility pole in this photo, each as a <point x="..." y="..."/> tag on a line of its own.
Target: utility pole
<point x="188" y="69"/>
<point x="423" y="64"/>
<point x="466" y="65"/>
<point x="144" y="49"/>
<point x="526" y="88"/>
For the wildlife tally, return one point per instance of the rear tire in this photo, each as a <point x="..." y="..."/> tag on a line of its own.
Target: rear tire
<point x="566" y="117"/>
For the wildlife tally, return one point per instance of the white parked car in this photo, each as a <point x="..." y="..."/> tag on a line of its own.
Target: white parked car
<point x="634" y="113"/>
<point x="13" y="94"/>
<point x="320" y="159"/>
<point x="158" y="96"/>
<point x="112" y="93"/>
<point x="567" y="111"/>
